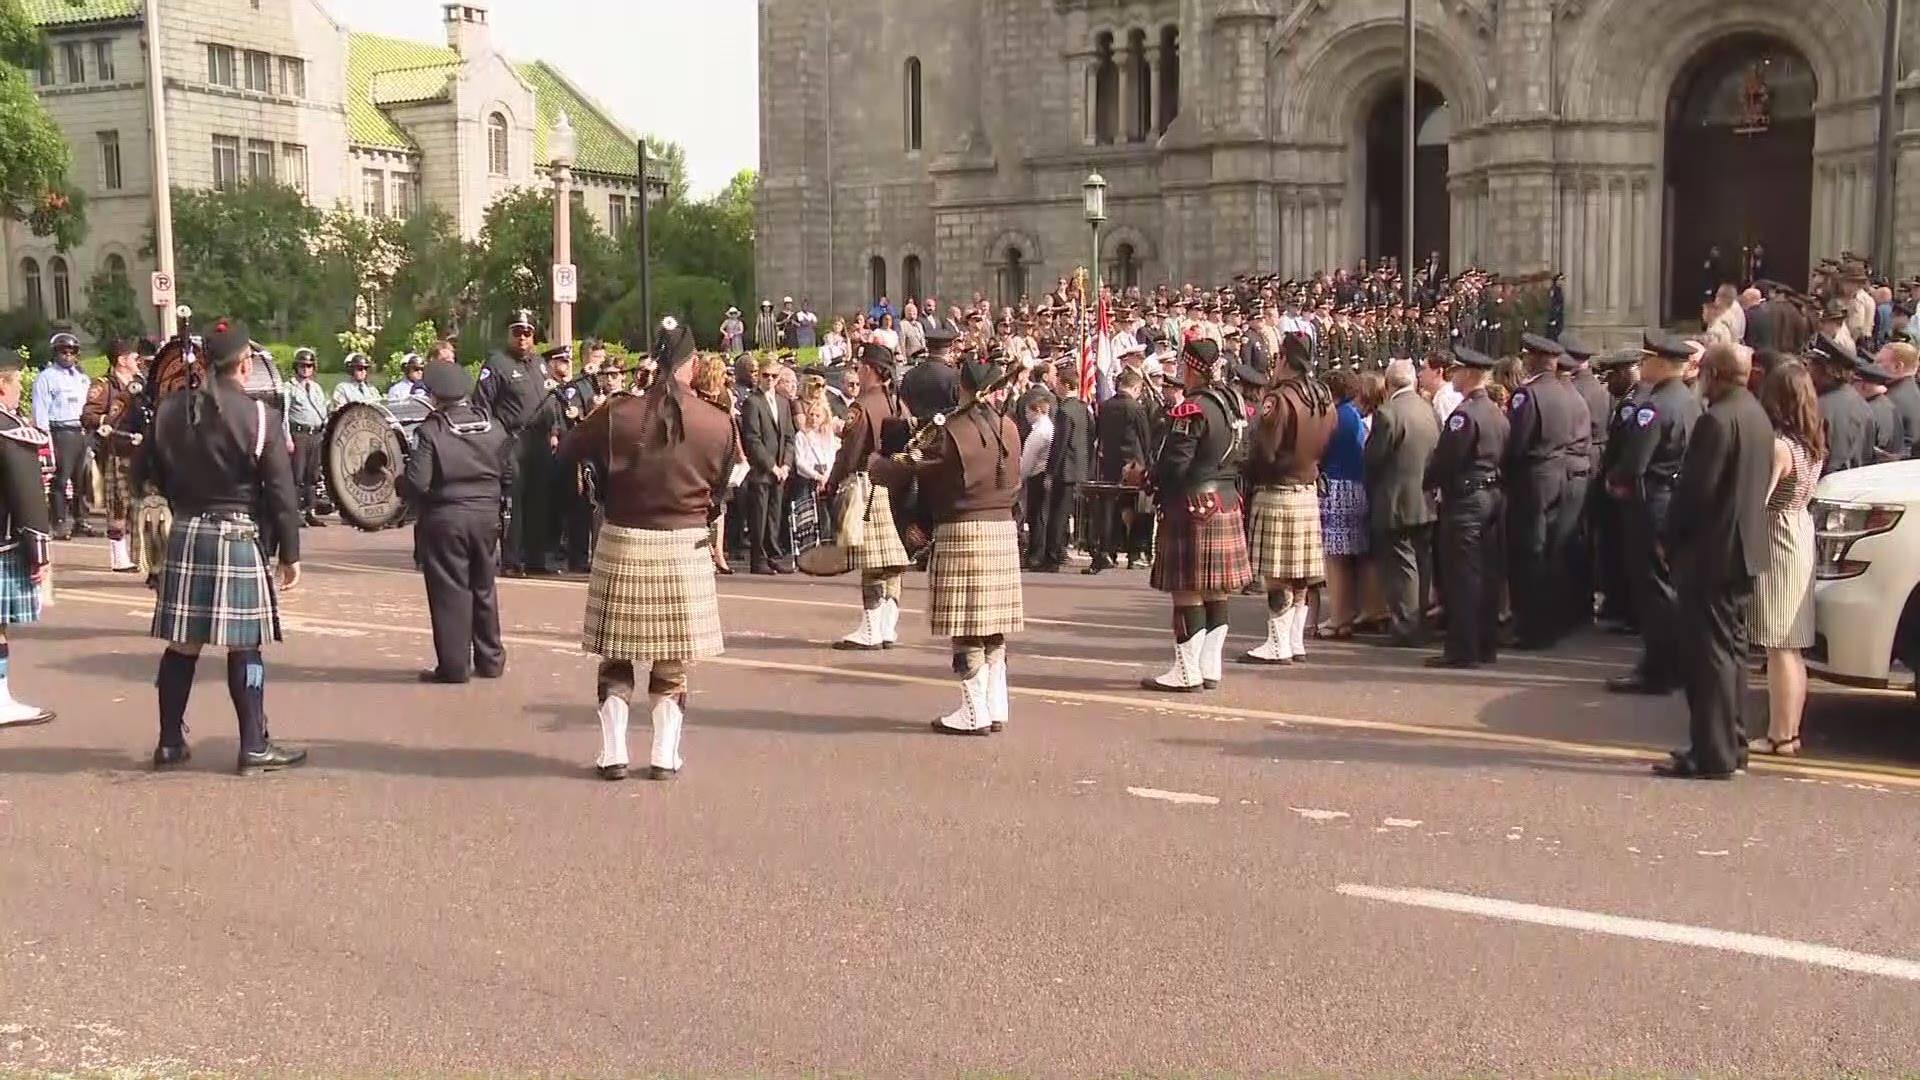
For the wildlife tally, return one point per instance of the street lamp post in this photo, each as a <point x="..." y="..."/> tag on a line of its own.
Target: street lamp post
<point x="1094" y="194"/>
<point x="560" y="141"/>
<point x="162" y="189"/>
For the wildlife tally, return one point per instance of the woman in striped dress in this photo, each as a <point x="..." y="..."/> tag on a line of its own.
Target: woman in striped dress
<point x="1782" y="616"/>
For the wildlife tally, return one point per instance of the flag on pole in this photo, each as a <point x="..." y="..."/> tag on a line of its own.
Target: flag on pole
<point x="1096" y="353"/>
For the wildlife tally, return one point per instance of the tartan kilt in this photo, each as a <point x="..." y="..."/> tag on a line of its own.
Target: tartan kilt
<point x="116" y="486"/>
<point x="19" y="597"/>
<point x="1284" y="538"/>
<point x="1201" y="555"/>
<point x="880" y="548"/>
<point x="973" y="579"/>
<point x="215" y="588"/>
<point x="651" y="596"/>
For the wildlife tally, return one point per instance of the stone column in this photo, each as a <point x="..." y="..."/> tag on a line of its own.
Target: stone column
<point x="1123" y="108"/>
<point x="1085" y="111"/>
<point x="1157" y="83"/>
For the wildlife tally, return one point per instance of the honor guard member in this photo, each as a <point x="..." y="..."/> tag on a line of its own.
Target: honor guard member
<point x="969" y="474"/>
<point x="1202" y="557"/>
<point x="1465" y="471"/>
<point x="1293" y="424"/>
<point x="651" y="604"/>
<point x="459" y="460"/>
<point x="305" y="402"/>
<point x="876" y="424"/>
<point x="109" y="417"/>
<point x="25" y="534"/>
<point x="219" y="456"/>
<point x="933" y="386"/>
<point x="1645" y="471"/>
<point x="1847" y="416"/>
<point x="510" y="389"/>
<point x="1546" y="419"/>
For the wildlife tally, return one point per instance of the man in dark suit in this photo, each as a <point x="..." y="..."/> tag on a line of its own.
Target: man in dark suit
<point x="1405" y="431"/>
<point x="1716" y="541"/>
<point x="766" y="434"/>
<point x="1123" y="432"/>
<point x="1070" y="464"/>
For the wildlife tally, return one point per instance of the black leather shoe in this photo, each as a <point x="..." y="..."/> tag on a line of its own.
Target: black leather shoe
<point x="655" y="772"/>
<point x="612" y="772"/>
<point x="1681" y="766"/>
<point x="1635" y="684"/>
<point x="434" y="675"/>
<point x="166" y="757"/>
<point x="314" y="522"/>
<point x="490" y="673"/>
<point x="270" y="758"/>
<point x="1448" y="663"/>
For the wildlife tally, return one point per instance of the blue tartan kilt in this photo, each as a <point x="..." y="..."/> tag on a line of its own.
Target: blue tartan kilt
<point x="215" y="587"/>
<point x="19" y="596"/>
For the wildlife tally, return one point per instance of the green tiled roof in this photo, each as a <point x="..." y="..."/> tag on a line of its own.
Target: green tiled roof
<point x="63" y="12"/>
<point x="371" y="55"/>
<point x="403" y="85"/>
<point x="603" y="146"/>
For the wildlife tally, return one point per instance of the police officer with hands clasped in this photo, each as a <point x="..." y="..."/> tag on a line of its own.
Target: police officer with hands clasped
<point x="1548" y="425"/>
<point x="511" y="388"/>
<point x="460" y="461"/>
<point x="1465" y="470"/>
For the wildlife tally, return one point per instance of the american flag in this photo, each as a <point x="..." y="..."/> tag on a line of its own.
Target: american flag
<point x="1095" y="354"/>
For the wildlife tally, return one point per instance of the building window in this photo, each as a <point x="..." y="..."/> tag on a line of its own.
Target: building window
<point x="293" y="76"/>
<point x="913" y="103"/>
<point x="62" y="288"/>
<point x="616" y="214"/>
<point x="876" y="279"/>
<point x="220" y="65"/>
<point x="46" y="72"/>
<point x="1125" y="271"/>
<point x="1106" y="92"/>
<point x="577" y="200"/>
<point x="117" y="268"/>
<point x="36" y="295"/>
<point x="910" y="278"/>
<point x="259" y="71"/>
<point x="293" y="166"/>
<point x="1140" y="106"/>
<point x="226" y="162"/>
<point x="73" y="62"/>
<point x="497" y="144"/>
<point x="110" y="178"/>
<point x="259" y="161"/>
<point x="406" y="195"/>
<point x="103" y="60"/>
<point x="1169" y="76"/>
<point x="1012" y="277"/>
<point x="373" y="193"/>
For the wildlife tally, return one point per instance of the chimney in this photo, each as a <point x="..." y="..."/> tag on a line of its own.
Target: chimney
<point x="466" y="28"/>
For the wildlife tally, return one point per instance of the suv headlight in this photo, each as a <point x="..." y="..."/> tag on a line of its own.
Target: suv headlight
<point x="1837" y="526"/>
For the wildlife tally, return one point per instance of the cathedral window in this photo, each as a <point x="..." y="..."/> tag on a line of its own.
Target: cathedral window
<point x="913" y="114"/>
<point x="1012" y="277"/>
<point x="1139" y="88"/>
<point x="876" y="279"/>
<point x="1168" y="84"/>
<point x="910" y="274"/>
<point x="1106" y="92"/>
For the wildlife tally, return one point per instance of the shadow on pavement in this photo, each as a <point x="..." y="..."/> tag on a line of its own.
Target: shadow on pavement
<point x="561" y="717"/>
<point x="139" y="667"/>
<point x="1384" y="749"/>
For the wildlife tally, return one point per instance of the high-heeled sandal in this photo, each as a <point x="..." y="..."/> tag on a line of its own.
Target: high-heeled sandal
<point x="1776" y="747"/>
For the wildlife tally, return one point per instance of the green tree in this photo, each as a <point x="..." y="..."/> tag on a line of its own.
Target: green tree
<point x="709" y="239"/>
<point x="512" y="264"/>
<point x="249" y="254"/>
<point x="113" y="311"/>
<point x="34" y="188"/>
<point x="435" y="281"/>
<point x="668" y="160"/>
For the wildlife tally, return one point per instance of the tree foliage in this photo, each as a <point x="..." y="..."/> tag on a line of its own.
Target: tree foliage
<point x="113" y="311"/>
<point x="668" y="160"/>
<point x="251" y="254"/>
<point x="34" y="189"/>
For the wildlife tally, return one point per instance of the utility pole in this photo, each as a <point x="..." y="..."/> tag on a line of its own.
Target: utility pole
<point x="162" y="186"/>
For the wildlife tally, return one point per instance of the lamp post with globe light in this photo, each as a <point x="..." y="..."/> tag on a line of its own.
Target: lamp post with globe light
<point x="561" y="146"/>
<point x="1093" y="193"/>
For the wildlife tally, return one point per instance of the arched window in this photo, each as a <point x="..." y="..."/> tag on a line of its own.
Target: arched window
<point x="116" y="268"/>
<point x="497" y="161"/>
<point x="1125" y="272"/>
<point x="1106" y="92"/>
<point x="62" y="288"/>
<point x="913" y="103"/>
<point x="1012" y="277"/>
<point x="1437" y="128"/>
<point x="36" y="294"/>
<point x="1140" y="103"/>
<point x="1169" y="76"/>
<point x="910" y="276"/>
<point x="876" y="279"/>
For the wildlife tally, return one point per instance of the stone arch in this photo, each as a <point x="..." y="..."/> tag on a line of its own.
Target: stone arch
<point x="1326" y="88"/>
<point x="1028" y="244"/>
<point x="913" y="262"/>
<point x="1113" y="236"/>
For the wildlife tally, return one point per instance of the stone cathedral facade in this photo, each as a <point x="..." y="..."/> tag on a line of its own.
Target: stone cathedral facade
<point x="939" y="146"/>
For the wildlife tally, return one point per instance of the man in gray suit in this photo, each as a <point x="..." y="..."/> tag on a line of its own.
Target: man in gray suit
<point x="1395" y="464"/>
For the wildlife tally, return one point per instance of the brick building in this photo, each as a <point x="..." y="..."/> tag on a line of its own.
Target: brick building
<point x="277" y="90"/>
<point x="940" y="146"/>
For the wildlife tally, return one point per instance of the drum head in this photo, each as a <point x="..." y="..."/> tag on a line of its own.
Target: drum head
<point x="263" y="380"/>
<point x="364" y="455"/>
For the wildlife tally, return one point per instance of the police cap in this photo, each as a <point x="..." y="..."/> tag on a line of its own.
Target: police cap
<point x="1872" y="372"/>
<point x="1664" y="345"/>
<point x="521" y="319"/>
<point x="1825" y="350"/>
<point x="1472" y="358"/>
<point x="448" y="381"/>
<point x="940" y="337"/>
<point x="1544" y="346"/>
<point x="1574" y="348"/>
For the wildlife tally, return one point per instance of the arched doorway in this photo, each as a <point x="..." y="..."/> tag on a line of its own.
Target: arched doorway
<point x="1739" y="170"/>
<point x="1385" y="169"/>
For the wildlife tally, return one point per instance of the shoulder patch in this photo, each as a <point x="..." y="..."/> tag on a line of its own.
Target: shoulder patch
<point x="486" y="372"/>
<point x="1626" y="411"/>
<point x="1184" y="410"/>
<point x="1644" y="416"/>
<point x="1519" y="399"/>
<point x="1269" y="405"/>
<point x="1456" y="422"/>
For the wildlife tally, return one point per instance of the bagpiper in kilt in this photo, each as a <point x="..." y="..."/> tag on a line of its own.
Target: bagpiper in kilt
<point x="651" y="604"/>
<point x="111" y="405"/>
<point x="877" y="423"/>
<point x="26" y="534"/>
<point x="220" y="457"/>
<point x="1291" y="429"/>
<point x="969" y="473"/>
<point x="1202" y="555"/>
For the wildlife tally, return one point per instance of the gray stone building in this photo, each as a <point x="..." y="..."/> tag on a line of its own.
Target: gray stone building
<point x="939" y="146"/>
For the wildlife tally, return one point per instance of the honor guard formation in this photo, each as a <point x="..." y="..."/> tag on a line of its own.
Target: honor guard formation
<point x="1369" y="454"/>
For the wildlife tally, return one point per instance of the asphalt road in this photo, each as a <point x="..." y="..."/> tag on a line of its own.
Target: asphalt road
<point x="1310" y="871"/>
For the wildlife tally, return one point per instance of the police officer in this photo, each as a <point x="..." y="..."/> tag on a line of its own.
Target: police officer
<point x="1624" y="392"/>
<point x="511" y="386"/>
<point x="1549" y="430"/>
<point x="460" y="458"/>
<point x="567" y="519"/>
<point x="1848" y="417"/>
<point x="1574" y="548"/>
<point x="1646" y="468"/>
<point x="933" y="386"/>
<point x="1465" y="470"/>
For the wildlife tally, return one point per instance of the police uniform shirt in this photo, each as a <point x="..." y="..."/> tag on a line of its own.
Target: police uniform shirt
<point x="1599" y="413"/>
<point x="510" y="390"/>
<point x="1542" y="435"/>
<point x="1618" y="421"/>
<point x="1473" y="442"/>
<point x="1654" y="441"/>
<point x="1886" y="426"/>
<point x="1850" y="425"/>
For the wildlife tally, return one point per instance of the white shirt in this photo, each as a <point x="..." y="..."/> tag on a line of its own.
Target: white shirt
<point x="1037" y="449"/>
<point x="1445" y="400"/>
<point x="814" y="453"/>
<point x="885" y="337"/>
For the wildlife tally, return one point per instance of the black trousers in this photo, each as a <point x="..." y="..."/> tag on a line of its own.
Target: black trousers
<point x="1470" y="542"/>
<point x="763" y="505"/>
<point x="1533" y="519"/>
<point x="306" y="466"/>
<point x="69" y="466"/>
<point x="455" y="548"/>
<point x="1713" y="629"/>
<point x="1060" y="509"/>
<point x="1033" y="510"/>
<point x="1610" y="574"/>
<point x="1569" y="566"/>
<point x="1654" y="598"/>
<point x="1403" y="559"/>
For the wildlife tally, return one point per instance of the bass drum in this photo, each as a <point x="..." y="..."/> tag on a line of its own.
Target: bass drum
<point x="263" y="380"/>
<point x="364" y="451"/>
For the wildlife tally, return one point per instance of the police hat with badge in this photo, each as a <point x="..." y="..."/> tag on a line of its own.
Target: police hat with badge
<point x="1572" y="353"/>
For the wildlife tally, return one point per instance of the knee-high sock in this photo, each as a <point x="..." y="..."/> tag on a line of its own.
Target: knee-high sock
<point x="247" y="685"/>
<point x="1189" y="621"/>
<point x="175" y="683"/>
<point x="1216" y="613"/>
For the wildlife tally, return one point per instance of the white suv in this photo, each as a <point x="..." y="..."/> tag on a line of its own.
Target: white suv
<point x="1867" y="574"/>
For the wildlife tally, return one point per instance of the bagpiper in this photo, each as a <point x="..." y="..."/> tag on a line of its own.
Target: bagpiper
<point x="877" y="423"/>
<point x="111" y="401"/>
<point x="26" y="534"/>
<point x="1293" y="425"/>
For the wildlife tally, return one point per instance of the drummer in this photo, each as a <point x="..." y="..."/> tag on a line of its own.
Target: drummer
<point x="355" y="386"/>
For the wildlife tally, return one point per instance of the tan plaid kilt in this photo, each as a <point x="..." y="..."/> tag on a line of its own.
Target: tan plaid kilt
<point x="1285" y="542"/>
<point x="651" y="596"/>
<point x="880" y="548"/>
<point x="973" y="579"/>
<point x="1200" y="555"/>
<point x="116" y="487"/>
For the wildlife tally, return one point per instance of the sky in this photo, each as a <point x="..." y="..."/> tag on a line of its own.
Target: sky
<point x="685" y="70"/>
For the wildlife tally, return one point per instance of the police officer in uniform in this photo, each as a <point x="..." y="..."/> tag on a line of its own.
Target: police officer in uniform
<point x="1577" y="553"/>
<point x="511" y="386"/>
<point x="933" y="386"/>
<point x="1646" y="469"/>
<point x="1465" y="470"/>
<point x="1548" y="429"/>
<point x="459" y="460"/>
<point x="568" y="518"/>
<point x="1625" y="392"/>
<point x="1848" y="417"/>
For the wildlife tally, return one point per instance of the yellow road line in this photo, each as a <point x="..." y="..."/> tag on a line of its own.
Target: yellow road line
<point x="1891" y="775"/>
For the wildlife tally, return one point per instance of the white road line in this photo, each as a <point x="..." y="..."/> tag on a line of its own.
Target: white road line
<point x="1699" y="937"/>
<point x="1184" y="798"/>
